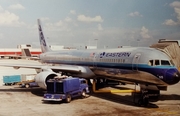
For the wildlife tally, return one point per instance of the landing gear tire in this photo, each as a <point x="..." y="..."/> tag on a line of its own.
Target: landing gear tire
<point x="146" y="101"/>
<point x="143" y="102"/>
<point x="140" y="102"/>
<point x="83" y="94"/>
<point x="68" y="98"/>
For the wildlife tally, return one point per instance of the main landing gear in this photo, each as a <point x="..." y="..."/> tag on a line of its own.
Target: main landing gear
<point x="140" y="98"/>
<point x="147" y="96"/>
<point x="144" y="98"/>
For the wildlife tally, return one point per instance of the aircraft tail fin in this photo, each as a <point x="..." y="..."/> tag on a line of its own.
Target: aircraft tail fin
<point x="43" y="44"/>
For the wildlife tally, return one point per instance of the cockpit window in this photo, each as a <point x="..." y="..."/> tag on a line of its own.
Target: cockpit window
<point x="165" y="62"/>
<point x="157" y="62"/>
<point x="160" y="62"/>
<point x="172" y="62"/>
<point x="150" y="62"/>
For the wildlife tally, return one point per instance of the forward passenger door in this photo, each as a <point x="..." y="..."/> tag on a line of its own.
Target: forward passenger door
<point x="135" y="61"/>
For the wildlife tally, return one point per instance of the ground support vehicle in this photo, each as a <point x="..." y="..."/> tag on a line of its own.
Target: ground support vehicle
<point x="27" y="84"/>
<point x="59" y="89"/>
<point x="11" y="79"/>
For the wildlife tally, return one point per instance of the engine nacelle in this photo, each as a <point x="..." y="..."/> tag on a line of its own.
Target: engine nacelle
<point x="42" y="77"/>
<point x="86" y="72"/>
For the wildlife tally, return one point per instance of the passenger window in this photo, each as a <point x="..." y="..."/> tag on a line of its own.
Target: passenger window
<point x="165" y="62"/>
<point x="157" y="62"/>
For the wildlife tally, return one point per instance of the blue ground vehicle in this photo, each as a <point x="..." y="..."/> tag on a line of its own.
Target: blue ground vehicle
<point x="28" y="84"/>
<point x="65" y="89"/>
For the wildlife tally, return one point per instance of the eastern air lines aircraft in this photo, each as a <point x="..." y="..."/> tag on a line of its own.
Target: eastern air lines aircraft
<point x="145" y="66"/>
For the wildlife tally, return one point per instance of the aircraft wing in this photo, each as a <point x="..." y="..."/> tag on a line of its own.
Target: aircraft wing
<point x="65" y="68"/>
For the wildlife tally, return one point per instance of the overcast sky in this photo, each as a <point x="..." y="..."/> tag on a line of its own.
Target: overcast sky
<point x="110" y="23"/>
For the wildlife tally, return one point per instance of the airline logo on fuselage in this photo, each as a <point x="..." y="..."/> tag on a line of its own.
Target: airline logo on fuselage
<point x="115" y="54"/>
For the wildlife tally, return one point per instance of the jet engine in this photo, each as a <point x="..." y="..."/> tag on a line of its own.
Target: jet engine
<point x="42" y="77"/>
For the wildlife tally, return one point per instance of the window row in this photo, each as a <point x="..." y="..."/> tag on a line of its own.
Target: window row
<point x="86" y="59"/>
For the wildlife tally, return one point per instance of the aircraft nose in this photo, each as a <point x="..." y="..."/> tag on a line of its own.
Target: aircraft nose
<point x="172" y="76"/>
<point x="176" y="77"/>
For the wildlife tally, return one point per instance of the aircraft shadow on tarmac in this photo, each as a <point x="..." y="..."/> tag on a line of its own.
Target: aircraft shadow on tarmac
<point x="125" y="99"/>
<point x="131" y="100"/>
<point x="169" y="97"/>
<point x="35" y="90"/>
<point x="162" y="96"/>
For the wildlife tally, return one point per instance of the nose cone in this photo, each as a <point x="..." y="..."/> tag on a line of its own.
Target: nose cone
<point x="176" y="77"/>
<point x="172" y="76"/>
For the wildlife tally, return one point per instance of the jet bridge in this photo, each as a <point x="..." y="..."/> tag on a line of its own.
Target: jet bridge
<point x="26" y="52"/>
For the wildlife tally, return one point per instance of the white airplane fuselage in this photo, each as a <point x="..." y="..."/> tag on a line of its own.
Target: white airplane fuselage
<point x="134" y="64"/>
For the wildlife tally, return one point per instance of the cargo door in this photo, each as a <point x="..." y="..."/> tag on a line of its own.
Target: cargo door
<point x="135" y="61"/>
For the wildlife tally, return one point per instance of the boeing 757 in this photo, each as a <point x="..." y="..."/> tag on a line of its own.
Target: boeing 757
<point x="148" y="67"/>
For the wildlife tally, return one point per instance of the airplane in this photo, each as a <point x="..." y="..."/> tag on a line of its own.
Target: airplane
<point x="148" y="67"/>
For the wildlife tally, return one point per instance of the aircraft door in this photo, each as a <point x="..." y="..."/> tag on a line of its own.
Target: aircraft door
<point x="135" y="61"/>
<point x="95" y="60"/>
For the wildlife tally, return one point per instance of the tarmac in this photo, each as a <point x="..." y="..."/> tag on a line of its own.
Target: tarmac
<point x="22" y="101"/>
